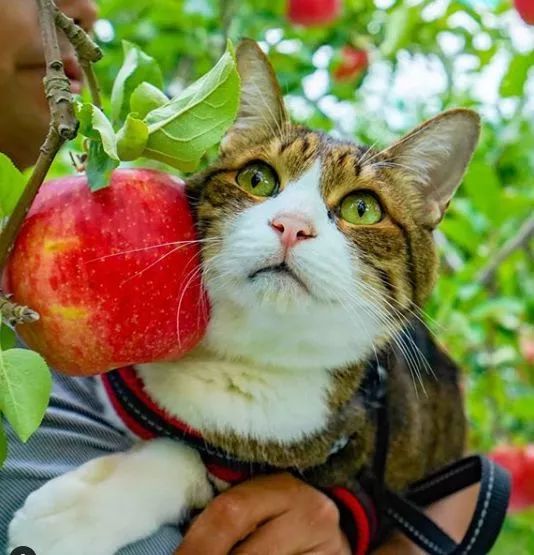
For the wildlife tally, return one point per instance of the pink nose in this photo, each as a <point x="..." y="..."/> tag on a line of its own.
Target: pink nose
<point x="292" y="229"/>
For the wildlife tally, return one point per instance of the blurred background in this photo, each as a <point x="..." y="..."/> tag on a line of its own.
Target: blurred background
<point x="369" y="71"/>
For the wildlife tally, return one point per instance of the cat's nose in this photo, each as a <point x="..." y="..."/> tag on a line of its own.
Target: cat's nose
<point x="293" y="228"/>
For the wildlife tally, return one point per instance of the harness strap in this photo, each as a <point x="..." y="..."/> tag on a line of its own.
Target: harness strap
<point x="487" y="519"/>
<point x="405" y="512"/>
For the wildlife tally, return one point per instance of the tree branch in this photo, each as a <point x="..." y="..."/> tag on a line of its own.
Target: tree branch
<point x="524" y="234"/>
<point x="63" y="127"/>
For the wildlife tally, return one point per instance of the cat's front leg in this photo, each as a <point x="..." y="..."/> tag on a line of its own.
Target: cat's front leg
<point x="112" y="501"/>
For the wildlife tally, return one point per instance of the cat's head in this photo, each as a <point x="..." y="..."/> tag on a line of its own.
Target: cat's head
<point x="317" y="250"/>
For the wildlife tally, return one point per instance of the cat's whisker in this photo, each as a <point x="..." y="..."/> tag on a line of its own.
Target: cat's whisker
<point x="413" y="363"/>
<point x="149" y="247"/>
<point x="151" y="265"/>
<point x="189" y="279"/>
<point x="390" y="328"/>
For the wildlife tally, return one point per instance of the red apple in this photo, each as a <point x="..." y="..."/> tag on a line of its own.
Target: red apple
<point x="525" y="8"/>
<point x="113" y="274"/>
<point x="352" y="62"/>
<point x="313" y="12"/>
<point x="519" y="461"/>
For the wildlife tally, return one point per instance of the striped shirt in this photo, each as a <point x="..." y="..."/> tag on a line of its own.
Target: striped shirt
<point x="74" y="431"/>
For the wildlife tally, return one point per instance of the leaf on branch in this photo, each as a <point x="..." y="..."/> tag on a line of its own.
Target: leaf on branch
<point x="96" y="126"/>
<point x="3" y="443"/>
<point x="132" y="138"/>
<point x="181" y="131"/>
<point x="99" y="166"/>
<point x="146" y="98"/>
<point x="137" y="68"/>
<point x="12" y="184"/>
<point x="7" y="337"/>
<point x="25" y="386"/>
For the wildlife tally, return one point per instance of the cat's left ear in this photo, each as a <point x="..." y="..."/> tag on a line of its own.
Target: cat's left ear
<point x="261" y="110"/>
<point x="434" y="157"/>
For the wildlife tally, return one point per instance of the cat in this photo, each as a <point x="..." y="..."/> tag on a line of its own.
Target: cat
<point x="316" y="256"/>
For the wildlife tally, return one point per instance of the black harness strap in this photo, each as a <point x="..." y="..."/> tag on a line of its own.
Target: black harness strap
<point x="487" y="519"/>
<point x="405" y="511"/>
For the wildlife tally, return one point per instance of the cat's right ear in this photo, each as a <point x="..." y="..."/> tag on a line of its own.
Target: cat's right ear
<point x="261" y="111"/>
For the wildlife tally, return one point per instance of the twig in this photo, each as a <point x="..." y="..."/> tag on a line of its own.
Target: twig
<point x="16" y="314"/>
<point x="227" y="10"/>
<point x="87" y="51"/>
<point x="519" y="240"/>
<point x="63" y="127"/>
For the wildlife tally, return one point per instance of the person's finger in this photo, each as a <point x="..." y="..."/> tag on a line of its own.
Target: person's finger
<point x="234" y="514"/>
<point x="297" y="532"/>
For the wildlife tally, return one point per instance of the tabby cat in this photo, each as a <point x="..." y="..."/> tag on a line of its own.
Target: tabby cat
<point x="316" y="255"/>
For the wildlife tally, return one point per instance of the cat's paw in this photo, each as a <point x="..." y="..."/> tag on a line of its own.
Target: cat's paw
<point x="67" y="515"/>
<point x="112" y="501"/>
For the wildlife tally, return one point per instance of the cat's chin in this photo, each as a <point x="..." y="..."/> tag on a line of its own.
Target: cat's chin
<point x="279" y="287"/>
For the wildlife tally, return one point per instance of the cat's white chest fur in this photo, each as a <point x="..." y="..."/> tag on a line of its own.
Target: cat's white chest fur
<point x="253" y="401"/>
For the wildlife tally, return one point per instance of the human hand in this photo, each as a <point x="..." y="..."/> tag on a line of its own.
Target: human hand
<point x="276" y="514"/>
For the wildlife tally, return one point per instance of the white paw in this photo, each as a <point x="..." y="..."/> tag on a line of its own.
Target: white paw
<point x="111" y="501"/>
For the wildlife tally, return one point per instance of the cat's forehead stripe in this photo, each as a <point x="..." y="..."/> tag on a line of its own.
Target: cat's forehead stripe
<point x="310" y="179"/>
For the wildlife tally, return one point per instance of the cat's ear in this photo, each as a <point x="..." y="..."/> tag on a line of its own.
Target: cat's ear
<point x="261" y="112"/>
<point x="434" y="157"/>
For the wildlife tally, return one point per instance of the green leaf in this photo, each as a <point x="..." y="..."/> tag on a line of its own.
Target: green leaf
<point x="399" y="26"/>
<point x="483" y="188"/>
<point x="137" y="68"/>
<point x="3" y="443"/>
<point x="513" y="82"/>
<point x="96" y="126"/>
<point x="132" y="138"/>
<point x="182" y="130"/>
<point x="146" y="98"/>
<point x="99" y="166"/>
<point x="12" y="184"/>
<point x="7" y="337"/>
<point x="25" y="385"/>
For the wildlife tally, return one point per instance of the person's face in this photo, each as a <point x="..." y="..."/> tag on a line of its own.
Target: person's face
<point x="24" y="113"/>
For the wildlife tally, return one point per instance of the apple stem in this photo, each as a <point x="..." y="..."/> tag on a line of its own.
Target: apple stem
<point x="63" y="127"/>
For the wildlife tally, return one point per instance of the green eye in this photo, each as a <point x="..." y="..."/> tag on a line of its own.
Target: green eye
<point x="360" y="209"/>
<point x="259" y="179"/>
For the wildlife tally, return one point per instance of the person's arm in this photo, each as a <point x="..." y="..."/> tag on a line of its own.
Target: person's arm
<point x="283" y="515"/>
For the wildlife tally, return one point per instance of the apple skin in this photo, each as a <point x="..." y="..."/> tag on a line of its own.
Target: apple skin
<point x="353" y="61"/>
<point x="105" y="274"/>
<point x="313" y="12"/>
<point x="519" y="461"/>
<point x="525" y="8"/>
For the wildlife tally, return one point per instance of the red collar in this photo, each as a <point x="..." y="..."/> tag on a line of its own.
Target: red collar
<point x="142" y="416"/>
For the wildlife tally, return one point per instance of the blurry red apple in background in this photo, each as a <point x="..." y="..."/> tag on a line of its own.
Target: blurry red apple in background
<point x="313" y="12"/>
<point x="114" y="274"/>
<point x="351" y="63"/>
<point x="519" y="461"/>
<point x="525" y="8"/>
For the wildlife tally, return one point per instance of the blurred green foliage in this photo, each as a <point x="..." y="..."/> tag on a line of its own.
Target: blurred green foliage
<point x="425" y="57"/>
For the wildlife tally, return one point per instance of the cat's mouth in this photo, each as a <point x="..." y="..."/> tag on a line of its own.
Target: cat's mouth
<point x="281" y="268"/>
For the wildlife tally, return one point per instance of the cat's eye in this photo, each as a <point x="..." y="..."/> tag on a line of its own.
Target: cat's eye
<point x="361" y="208"/>
<point x="259" y="179"/>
